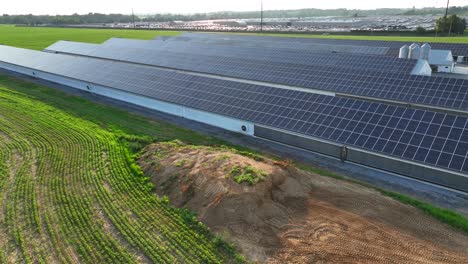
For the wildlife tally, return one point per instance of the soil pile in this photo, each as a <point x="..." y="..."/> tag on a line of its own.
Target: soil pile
<point x="276" y="213"/>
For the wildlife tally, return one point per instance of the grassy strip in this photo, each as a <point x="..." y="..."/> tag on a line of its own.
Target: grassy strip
<point x="399" y="38"/>
<point x="444" y="215"/>
<point x="190" y="218"/>
<point x="434" y="39"/>
<point x="118" y="120"/>
<point x="39" y="38"/>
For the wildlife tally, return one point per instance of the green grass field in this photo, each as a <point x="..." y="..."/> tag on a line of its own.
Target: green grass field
<point x="39" y="38"/>
<point x="463" y="39"/>
<point x="70" y="188"/>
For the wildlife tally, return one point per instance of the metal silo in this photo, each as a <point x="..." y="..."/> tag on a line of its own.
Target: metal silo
<point x="425" y="51"/>
<point x="404" y="51"/>
<point x="414" y="51"/>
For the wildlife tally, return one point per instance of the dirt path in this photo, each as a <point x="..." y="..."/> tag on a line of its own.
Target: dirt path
<point x="331" y="235"/>
<point x="297" y="217"/>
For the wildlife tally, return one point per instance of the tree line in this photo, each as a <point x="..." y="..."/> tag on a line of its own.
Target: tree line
<point x="301" y="13"/>
<point x="91" y="18"/>
<point x="451" y="25"/>
<point x="97" y="18"/>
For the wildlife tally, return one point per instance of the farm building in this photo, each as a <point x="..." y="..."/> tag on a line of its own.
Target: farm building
<point x="392" y="47"/>
<point x="371" y="109"/>
<point x="231" y="23"/>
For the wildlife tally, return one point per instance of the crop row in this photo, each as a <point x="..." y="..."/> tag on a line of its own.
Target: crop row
<point x="75" y="198"/>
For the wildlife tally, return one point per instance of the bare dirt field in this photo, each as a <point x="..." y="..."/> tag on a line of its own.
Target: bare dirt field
<point x="292" y="216"/>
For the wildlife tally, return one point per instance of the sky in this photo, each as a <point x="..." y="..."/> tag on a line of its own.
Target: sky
<point x="64" y="7"/>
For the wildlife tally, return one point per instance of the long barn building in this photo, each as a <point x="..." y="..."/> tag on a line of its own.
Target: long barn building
<point x="378" y="111"/>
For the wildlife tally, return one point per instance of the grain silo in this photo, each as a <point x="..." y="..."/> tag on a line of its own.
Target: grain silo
<point x="414" y="51"/>
<point x="425" y="51"/>
<point x="404" y="51"/>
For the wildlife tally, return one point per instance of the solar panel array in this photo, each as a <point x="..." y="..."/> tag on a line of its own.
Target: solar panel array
<point x="457" y="49"/>
<point x="315" y="47"/>
<point x="433" y="91"/>
<point x="261" y="53"/>
<point x="427" y="137"/>
<point x="248" y="55"/>
<point x="291" y="45"/>
<point x="258" y="53"/>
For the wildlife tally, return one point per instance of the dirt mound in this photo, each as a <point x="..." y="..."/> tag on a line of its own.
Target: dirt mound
<point x="276" y="213"/>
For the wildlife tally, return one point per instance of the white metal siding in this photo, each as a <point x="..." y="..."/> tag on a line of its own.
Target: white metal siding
<point x="224" y="122"/>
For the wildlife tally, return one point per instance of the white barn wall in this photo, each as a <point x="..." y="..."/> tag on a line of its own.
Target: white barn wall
<point x="404" y="167"/>
<point x="227" y="123"/>
<point x="216" y="120"/>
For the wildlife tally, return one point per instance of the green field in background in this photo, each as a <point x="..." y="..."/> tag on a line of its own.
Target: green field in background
<point x="39" y="38"/>
<point x="71" y="188"/>
<point x="463" y="39"/>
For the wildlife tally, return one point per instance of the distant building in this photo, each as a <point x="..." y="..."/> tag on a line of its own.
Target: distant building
<point x="176" y="23"/>
<point x="231" y="23"/>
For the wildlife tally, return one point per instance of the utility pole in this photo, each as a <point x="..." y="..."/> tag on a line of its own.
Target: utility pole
<point x="133" y="19"/>
<point x="446" y="10"/>
<point x="261" y="16"/>
<point x="446" y="17"/>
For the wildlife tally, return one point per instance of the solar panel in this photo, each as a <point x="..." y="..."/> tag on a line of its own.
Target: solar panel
<point x="308" y="57"/>
<point x="427" y="137"/>
<point x="258" y="53"/>
<point x="248" y="56"/>
<point x="430" y="91"/>
<point x="306" y="46"/>
<point x="457" y="49"/>
<point x="316" y="47"/>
